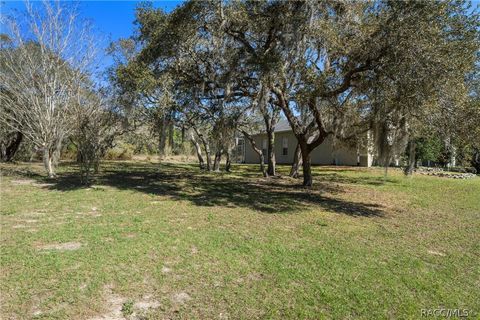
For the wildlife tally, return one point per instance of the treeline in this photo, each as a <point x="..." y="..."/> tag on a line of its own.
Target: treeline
<point x="399" y="70"/>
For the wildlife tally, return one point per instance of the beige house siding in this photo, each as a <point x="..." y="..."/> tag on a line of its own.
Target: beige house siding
<point x="252" y="157"/>
<point x="323" y="154"/>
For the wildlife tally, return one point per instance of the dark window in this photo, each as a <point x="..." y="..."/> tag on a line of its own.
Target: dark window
<point x="285" y="146"/>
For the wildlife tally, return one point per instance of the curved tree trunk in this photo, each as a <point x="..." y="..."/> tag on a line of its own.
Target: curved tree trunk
<point x="206" y="147"/>
<point x="201" y="162"/>
<point x="262" y="164"/>
<point x="297" y="162"/>
<point x="258" y="151"/>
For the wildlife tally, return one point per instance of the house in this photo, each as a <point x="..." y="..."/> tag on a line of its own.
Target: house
<point x="324" y="154"/>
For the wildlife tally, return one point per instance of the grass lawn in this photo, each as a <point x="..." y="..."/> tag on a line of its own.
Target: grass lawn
<point x="163" y="241"/>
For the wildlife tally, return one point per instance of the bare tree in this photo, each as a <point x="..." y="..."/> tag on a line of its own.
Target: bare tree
<point x="45" y="67"/>
<point x="95" y="128"/>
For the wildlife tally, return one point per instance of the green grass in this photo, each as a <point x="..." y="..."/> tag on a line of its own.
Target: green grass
<point x="237" y="246"/>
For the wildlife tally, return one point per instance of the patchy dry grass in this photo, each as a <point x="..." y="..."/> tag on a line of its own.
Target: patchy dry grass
<point x="158" y="241"/>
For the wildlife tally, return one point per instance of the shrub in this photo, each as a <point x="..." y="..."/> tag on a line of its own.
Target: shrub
<point x="69" y="152"/>
<point x="27" y="152"/>
<point x="122" y="151"/>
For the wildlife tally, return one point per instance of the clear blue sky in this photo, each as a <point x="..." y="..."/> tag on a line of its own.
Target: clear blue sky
<point x="115" y="18"/>
<point x="111" y="19"/>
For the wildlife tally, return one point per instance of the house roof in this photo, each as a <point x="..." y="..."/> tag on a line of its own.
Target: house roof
<point x="283" y="126"/>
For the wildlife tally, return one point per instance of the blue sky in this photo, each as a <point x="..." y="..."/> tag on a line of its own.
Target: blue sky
<point x="111" y="19"/>
<point x="115" y="18"/>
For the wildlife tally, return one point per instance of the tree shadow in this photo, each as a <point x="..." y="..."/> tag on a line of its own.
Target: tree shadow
<point x="22" y="172"/>
<point x="359" y="180"/>
<point x="187" y="182"/>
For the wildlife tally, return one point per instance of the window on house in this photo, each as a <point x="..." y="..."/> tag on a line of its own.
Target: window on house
<point x="285" y="146"/>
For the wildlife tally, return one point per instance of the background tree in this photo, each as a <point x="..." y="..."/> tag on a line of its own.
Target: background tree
<point x="431" y="47"/>
<point x="44" y="68"/>
<point x="188" y="47"/>
<point x="96" y="126"/>
<point x="391" y="54"/>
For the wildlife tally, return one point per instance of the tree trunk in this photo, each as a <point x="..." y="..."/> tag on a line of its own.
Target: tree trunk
<point x="208" y="156"/>
<point x="163" y="136"/>
<point x="258" y="151"/>
<point x="228" y="163"/>
<point x="96" y="166"/>
<point x="307" y="166"/>
<point x="206" y="146"/>
<point x="48" y="162"/>
<point x="262" y="165"/>
<point x="216" y="163"/>
<point x="297" y="162"/>
<point x="411" y="158"/>
<point x="12" y="147"/>
<point x="201" y="162"/>
<point x="475" y="161"/>
<point x="453" y="156"/>
<point x="57" y="152"/>
<point x="170" y="134"/>
<point x="271" y="153"/>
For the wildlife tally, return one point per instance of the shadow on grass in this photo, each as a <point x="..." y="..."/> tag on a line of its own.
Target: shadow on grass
<point x="187" y="182"/>
<point x="363" y="180"/>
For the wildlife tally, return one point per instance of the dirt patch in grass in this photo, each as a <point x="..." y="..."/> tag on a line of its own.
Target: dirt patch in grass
<point x="181" y="298"/>
<point x="34" y="214"/>
<point x="113" y="306"/>
<point x="44" y="184"/>
<point x="22" y="182"/>
<point x="436" y="253"/>
<point x="121" y="308"/>
<point x="66" y="246"/>
<point x="166" y="269"/>
<point x="91" y="214"/>
<point x="147" y="303"/>
<point x="31" y="182"/>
